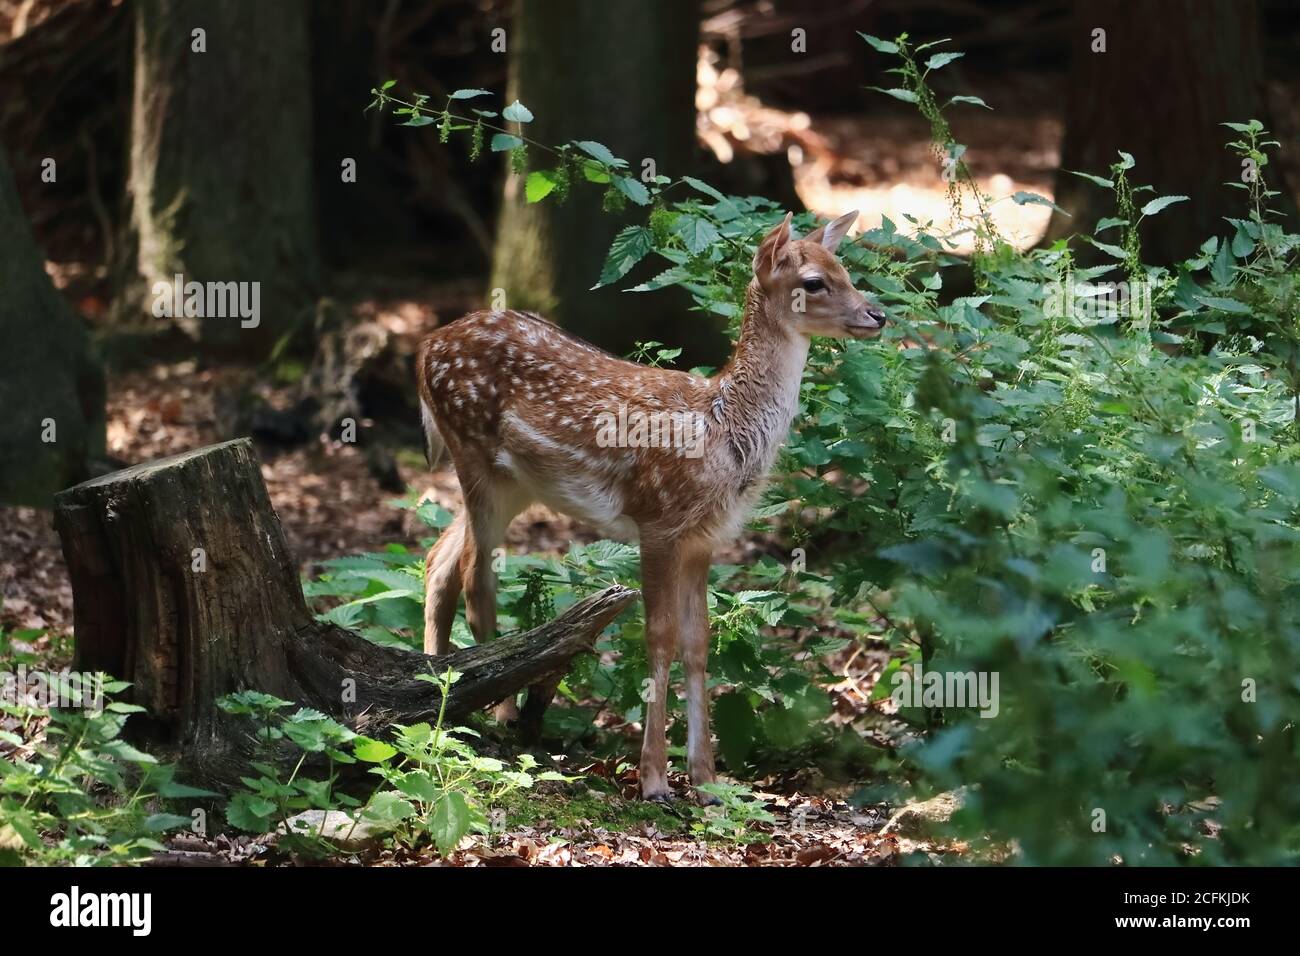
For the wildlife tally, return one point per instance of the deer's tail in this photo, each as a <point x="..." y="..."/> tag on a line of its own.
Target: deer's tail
<point x="434" y="446"/>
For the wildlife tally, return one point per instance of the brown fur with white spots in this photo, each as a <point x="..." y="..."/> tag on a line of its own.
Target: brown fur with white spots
<point x="525" y="411"/>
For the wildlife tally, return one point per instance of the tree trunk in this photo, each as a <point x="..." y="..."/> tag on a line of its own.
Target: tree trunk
<point x="642" y="106"/>
<point x="183" y="585"/>
<point x="1173" y="70"/>
<point x="221" y="161"/>
<point x="51" y="384"/>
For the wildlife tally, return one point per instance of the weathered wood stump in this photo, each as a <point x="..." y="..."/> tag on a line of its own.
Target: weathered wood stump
<point x="183" y="584"/>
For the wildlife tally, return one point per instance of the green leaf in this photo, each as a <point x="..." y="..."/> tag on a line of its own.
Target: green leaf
<point x="1155" y="205"/>
<point x="907" y="96"/>
<point x="433" y="514"/>
<point x="599" y="152"/>
<point x="884" y="46"/>
<point x="372" y="751"/>
<point x="247" y="811"/>
<point x="1221" y="268"/>
<point x="701" y="186"/>
<point x="1110" y="250"/>
<point x="697" y="233"/>
<point x="158" y="822"/>
<point x="1226" y="305"/>
<point x="1091" y="178"/>
<point x="674" y="275"/>
<point x="418" y="784"/>
<point x="388" y="807"/>
<point x="469" y="94"/>
<point x="1022" y="197"/>
<point x="633" y="189"/>
<point x="175" y="791"/>
<point x="940" y="60"/>
<point x="502" y="142"/>
<point x="539" y="185"/>
<point x="420" y="119"/>
<point x="974" y="100"/>
<point x="594" y="172"/>
<point x="1284" y="479"/>
<point x="119" y="707"/>
<point x="516" y="112"/>
<point x="1243" y="244"/>
<point x="629" y="247"/>
<point x="124" y="751"/>
<point x="450" y="822"/>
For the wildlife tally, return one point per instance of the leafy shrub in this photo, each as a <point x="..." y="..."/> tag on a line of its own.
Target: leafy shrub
<point x="435" y="788"/>
<point x="74" y="793"/>
<point x="1094" y="500"/>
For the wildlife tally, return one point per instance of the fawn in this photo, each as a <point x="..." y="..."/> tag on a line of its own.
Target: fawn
<point x="527" y="411"/>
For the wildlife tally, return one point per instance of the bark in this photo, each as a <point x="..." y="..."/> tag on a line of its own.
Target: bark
<point x="1173" y="70"/>
<point x="186" y="633"/>
<point x="549" y="255"/>
<point x="51" y="383"/>
<point x="221" y="174"/>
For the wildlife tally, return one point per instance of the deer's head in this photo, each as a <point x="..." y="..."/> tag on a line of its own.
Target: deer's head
<point x="809" y="291"/>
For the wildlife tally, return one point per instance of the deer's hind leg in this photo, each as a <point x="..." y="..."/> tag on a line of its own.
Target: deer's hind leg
<point x="491" y="505"/>
<point x="442" y="585"/>
<point x="461" y="559"/>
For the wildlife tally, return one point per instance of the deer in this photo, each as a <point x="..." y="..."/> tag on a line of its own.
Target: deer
<point x="531" y="413"/>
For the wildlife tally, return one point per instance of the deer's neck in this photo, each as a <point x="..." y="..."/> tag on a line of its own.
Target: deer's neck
<point x="758" y="391"/>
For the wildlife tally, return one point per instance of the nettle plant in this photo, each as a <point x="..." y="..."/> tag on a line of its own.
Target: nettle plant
<point x="1081" y="480"/>
<point x="433" y="789"/>
<point x="74" y="793"/>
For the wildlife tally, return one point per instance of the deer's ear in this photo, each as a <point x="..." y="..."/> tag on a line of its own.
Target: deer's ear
<point x="829" y="235"/>
<point x="770" y="249"/>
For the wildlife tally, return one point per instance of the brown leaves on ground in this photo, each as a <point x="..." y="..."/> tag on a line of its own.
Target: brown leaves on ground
<point x="809" y="831"/>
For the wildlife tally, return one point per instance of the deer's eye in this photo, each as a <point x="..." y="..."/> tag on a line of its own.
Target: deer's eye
<point x="813" y="285"/>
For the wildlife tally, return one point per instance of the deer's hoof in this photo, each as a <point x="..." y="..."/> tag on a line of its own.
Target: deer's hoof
<point x="707" y="799"/>
<point x="661" y="797"/>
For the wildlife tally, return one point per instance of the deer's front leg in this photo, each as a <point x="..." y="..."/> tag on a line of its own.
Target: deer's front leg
<point x="660" y="576"/>
<point x="695" y="658"/>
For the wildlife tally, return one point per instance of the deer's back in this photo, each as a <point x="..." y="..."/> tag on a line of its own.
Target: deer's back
<point x="588" y="433"/>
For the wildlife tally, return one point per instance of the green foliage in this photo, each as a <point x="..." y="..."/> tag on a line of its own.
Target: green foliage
<point x="271" y="798"/>
<point x="435" y="789"/>
<point x="74" y="793"/>
<point x="733" y="817"/>
<point x="1089" y="490"/>
<point x="441" y="789"/>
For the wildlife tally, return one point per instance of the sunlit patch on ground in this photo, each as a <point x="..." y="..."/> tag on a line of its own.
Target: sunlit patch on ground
<point x="884" y="165"/>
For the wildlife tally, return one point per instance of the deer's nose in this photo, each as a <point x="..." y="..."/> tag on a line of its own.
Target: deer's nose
<point x="874" y="313"/>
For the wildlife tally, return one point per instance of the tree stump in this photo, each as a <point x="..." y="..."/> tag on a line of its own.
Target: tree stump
<point x="183" y="584"/>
